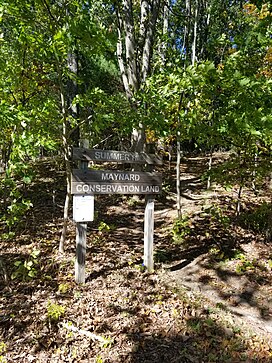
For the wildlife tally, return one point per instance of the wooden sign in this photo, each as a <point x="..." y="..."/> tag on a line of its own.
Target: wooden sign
<point x="86" y="183"/>
<point x="115" y="182"/>
<point x="114" y="156"/>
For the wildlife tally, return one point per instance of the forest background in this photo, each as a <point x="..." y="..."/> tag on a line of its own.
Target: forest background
<point x="125" y="74"/>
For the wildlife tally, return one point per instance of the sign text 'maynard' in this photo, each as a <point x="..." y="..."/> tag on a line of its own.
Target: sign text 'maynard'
<point x="115" y="176"/>
<point x="120" y="176"/>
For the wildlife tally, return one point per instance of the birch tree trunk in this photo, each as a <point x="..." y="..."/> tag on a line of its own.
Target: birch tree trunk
<point x="204" y="33"/>
<point x="165" y="30"/>
<point x="195" y="33"/>
<point x="126" y="52"/>
<point x="149" y="39"/>
<point x="134" y="52"/>
<point x="187" y="29"/>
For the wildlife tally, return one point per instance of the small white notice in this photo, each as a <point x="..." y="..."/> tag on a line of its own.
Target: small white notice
<point x="83" y="208"/>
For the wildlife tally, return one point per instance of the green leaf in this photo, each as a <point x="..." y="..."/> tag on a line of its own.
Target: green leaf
<point x="32" y="273"/>
<point x="27" y="179"/>
<point x="244" y="82"/>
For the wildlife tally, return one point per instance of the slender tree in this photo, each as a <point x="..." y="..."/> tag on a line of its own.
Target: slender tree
<point x="136" y="28"/>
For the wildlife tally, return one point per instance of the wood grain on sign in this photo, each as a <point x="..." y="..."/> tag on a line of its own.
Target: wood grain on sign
<point x="116" y="177"/>
<point x="115" y="182"/>
<point x="115" y="156"/>
<point x="92" y="188"/>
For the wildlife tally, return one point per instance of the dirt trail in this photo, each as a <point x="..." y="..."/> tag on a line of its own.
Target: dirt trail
<point x="246" y="295"/>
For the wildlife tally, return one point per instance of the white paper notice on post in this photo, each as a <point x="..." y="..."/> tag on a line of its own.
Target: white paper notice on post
<point x="83" y="208"/>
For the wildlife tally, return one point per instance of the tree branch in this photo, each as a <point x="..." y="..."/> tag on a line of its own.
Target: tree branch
<point x="49" y="11"/>
<point x="86" y="333"/>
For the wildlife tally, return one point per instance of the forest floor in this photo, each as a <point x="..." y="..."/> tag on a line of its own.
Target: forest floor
<point x="209" y="299"/>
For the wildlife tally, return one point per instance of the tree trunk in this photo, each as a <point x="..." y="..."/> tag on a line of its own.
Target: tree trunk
<point x="254" y="173"/>
<point x="210" y="168"/>
<point x="204" y="33"/>
<point x="179" y="157"/>
<point x="126" y="52"/>
<point x="138" y="138"/>
<point x="122" y="64"/>
<point x="69" y="114"/>
<point x="178" y="175"/>
<point x="239" y="200"/>
<point x="165" y="29"/>
<point x="195" y="33"/>
<point x="72" y="90"/>
<point x="66" y="153"/>
<point x="134" y="53"/>
<point x="187" y="29"/>
<point x="149" y="40"/>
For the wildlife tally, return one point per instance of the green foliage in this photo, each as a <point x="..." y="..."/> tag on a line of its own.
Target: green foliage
<point x="26" y="269"/>
<point x="181" y="229"/>
<point x="140" y="267"/>
<point x="54" y="311"/>
<point x="35" y="43"/>
<point x="77" y="295"/>
<point x="223" y="100"/>
<point x="244" y="264"/>
<point x="16" y="210"/>
<point x="258" y="220"/>
<point x="3" y="349"/>
<point x="103" y="230"/>
<point x="161" y="255"/>
<point x="242" y="168"/>
<point x="247" y="264"/>
<point x="98" y="240"/>
<point x="217" y="215"/>
<point x="107" y="342"/>
<point x="104" y="227"/>
<point x="63" y="288"/>
<point x="11" y="189"/>
<point x="132" y="201"/>
<point x="217" y="254"/>
<point x="222" y="103"/>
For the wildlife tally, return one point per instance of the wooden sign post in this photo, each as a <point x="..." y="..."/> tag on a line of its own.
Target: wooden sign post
<point x="148" y="235"/>
<point x="83" y="212"/>
<point x="81" y="244"/>
<point x="87" y="182"/>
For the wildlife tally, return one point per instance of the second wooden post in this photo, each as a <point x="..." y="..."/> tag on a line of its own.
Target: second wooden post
<point x="148" y="234"/>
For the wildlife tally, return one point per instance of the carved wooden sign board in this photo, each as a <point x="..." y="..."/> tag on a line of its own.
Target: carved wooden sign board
<point x="123" y="157"/>
<point x="86" y="183"/>
<point x="115" y="182"/>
